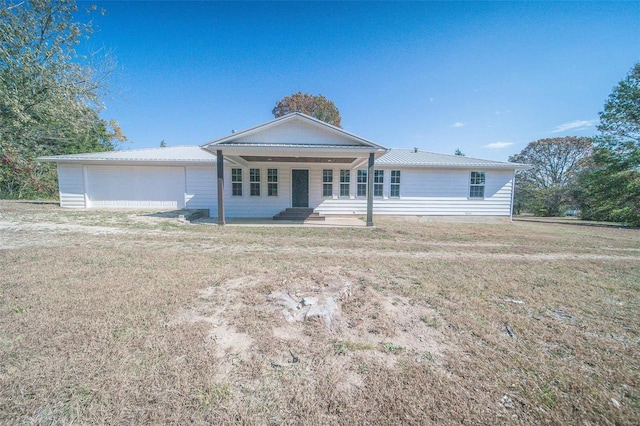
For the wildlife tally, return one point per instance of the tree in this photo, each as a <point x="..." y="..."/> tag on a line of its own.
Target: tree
<point x="611" y="189"/>
<point x="458" y="152"/>
<point x="49" y="96"/>
<point x="547" y="188"/>
<point x="315" y="106"/>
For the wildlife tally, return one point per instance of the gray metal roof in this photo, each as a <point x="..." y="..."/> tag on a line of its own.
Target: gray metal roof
<point x="175" y="154"/>
<point x="413" y="158"/>
<point x="197" y="154"/>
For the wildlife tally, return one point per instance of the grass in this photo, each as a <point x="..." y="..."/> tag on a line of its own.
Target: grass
<point x="124" y="317"/>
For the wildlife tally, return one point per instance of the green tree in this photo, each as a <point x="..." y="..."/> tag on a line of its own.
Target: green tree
<point x="315" y="106"/>
<point x="611" y="189"/>
<point x="458" y="152"/>
<point x="49" y="95"/>
<point x="547" y="188"/>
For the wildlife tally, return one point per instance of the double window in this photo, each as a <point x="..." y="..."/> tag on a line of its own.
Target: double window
<point x="361" y="189"/>
<point x="272" y="182"/>
<point x="236" y="182"/>
<point x="395" y="183"/>
<point x="345" y="180"/>
<point x="254" y="182"/>
<point x="327" y="183"/>
<point x="476" y="187"/>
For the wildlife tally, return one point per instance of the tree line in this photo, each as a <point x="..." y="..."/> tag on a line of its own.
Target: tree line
<point x="597" y="178"/>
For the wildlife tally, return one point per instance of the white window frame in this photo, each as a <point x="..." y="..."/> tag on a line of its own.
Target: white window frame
<point x="378" y="183"/>
<point x="272" y="182"/>
<point x="477" y="183"/>
<point x="361" y="183"/>
<point x="254" y="182"/>
<point x="236" y="182"/>
<point x="345" y="182"/>
<point x="396" y="176"/>
<point x="327" y="184"/>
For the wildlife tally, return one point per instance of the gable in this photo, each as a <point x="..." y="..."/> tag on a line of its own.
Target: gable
<point x="296" y="132"/>
<point x="294" y="129"/>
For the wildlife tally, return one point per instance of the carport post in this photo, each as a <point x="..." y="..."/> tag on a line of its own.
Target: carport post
<point x="220" y="168"/>
<point x="370" y="190"/>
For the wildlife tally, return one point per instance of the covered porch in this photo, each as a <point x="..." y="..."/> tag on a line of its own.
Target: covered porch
<point x="290" y="181"/>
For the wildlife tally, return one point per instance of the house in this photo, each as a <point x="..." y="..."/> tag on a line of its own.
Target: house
<point x="294" y="161"/>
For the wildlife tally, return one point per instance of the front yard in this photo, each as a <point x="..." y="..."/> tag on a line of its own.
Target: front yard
<point x="125" y="317"/>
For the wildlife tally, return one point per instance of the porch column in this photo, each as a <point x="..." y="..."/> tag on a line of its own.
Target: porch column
<point x="220" y="168"/>
<point x="370" y="191"/>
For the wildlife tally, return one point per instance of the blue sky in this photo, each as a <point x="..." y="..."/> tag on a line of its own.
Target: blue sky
<point x="487" y="78"/>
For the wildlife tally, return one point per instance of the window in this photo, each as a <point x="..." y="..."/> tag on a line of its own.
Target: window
<point x="395" y="183"/>
<point x="272" y="182"/>
<point x="236" y="182"/>
<point x="327" y="183"/>
<point x="476" y="188"/>
<point x="362" y="183"/>
<point x="254" y="182"/>
<point x="345" y="179"/>
<point x="378" y="182"/>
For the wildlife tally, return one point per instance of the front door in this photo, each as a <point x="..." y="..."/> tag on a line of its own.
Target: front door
<point x="299" y="188"/>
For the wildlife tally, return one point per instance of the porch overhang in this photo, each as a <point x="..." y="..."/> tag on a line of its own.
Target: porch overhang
<point x="246" y="153"/>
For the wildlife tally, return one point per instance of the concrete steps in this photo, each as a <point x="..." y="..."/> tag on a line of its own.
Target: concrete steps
<point x="298" y="214"/>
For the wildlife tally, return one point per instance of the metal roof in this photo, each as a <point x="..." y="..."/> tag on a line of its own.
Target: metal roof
<point x="196" y="154"/>
<point x="417" y="158"/>
<point x="174" y="154"/>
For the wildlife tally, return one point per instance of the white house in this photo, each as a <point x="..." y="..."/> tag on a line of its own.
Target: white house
<point x="294" y="161"/>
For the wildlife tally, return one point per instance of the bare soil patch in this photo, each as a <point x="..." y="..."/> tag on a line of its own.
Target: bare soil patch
<point x="126" y="317"/>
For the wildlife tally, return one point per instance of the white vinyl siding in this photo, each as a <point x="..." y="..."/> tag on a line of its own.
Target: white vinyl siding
<point x="201" y="190"/>
<point x="71" y="185"/>
<point x="260" y="207"/>
<point x="424" y="192"/>
<point x="297" y="132"/>
<point x="435" y="192"/>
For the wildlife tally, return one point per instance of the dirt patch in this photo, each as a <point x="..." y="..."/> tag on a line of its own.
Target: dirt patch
<point x="352" y="319"/>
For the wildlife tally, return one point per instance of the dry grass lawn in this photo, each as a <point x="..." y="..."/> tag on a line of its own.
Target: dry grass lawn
<point x="126" y="318"/>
